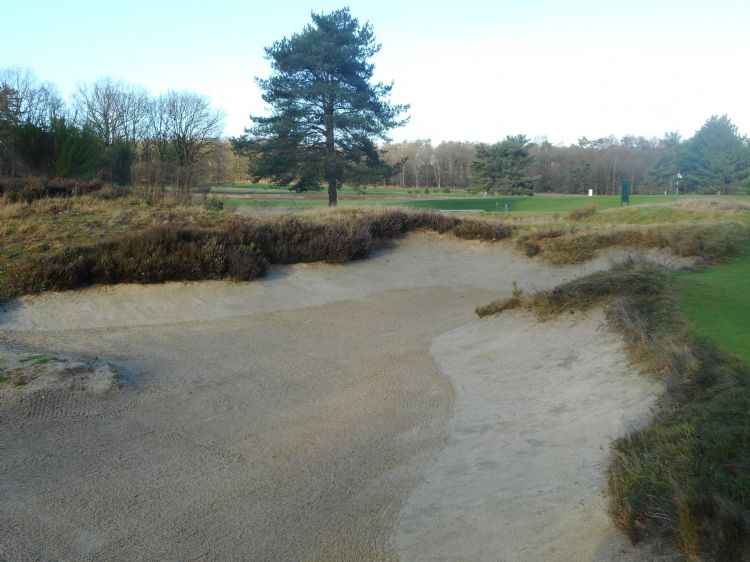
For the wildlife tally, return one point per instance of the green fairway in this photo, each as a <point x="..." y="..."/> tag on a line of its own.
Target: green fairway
<point x="645" y="208"/>
<point x="538" y="203"/>
<point x="300" y="202"/>
<point x="255" y="188"/>
<point x="716" y="302"/>
<point x="275" y="202"/>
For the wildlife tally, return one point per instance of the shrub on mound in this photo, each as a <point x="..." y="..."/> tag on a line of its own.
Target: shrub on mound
<point x="160" y="253"/>
<point x="392" y="223"/>
<point x="482" y="230"/>
<point x="239" y="249"/>
<point x="290" y="239"/>
<point x="293" y="240"/>
<point x="16" y="190"/>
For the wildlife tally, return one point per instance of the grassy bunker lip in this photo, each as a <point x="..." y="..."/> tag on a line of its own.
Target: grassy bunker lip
<point x="686" y="476"/>
<point x="238" y="248"/>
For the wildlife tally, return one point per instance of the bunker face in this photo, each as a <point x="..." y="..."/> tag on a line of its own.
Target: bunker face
<point x="331" y="412"/>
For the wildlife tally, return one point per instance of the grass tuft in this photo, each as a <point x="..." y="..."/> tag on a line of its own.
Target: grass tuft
<point x="39" y="358"/>
<point x="582" y="213"/>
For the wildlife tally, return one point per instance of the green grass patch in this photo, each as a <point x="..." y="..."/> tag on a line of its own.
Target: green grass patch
<point x="538" y="203"/>
<point x="241" y="187"/>
<point x="262" y="203"/>
<point x="117" y="377"/>
<point x="39" y="358"/>
<point x="301" y="203"/>
<point x="716" y="302"/>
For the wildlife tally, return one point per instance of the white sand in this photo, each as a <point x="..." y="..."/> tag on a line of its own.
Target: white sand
<point x="328" y="412"/>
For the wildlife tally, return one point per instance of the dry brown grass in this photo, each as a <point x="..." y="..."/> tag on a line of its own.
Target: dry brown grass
<point x="708" y="241"/>
<point x="44" y="228"/>
<point x="53" y="244"/>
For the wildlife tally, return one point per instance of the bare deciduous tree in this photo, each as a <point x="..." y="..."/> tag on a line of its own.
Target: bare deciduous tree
<point x="191" y="125"/>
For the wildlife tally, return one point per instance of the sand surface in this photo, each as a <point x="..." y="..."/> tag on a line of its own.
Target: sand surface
<point x="326" y="413"/>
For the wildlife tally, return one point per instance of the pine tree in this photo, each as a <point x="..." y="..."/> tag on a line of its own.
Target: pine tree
<point x="326" y="113"/>
<point x="716" y="157"/>
<point x="504" y="167"/>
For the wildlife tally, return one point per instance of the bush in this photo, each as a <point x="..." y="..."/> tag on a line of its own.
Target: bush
<point x="290" y="239"/>
<point x="532" y="249"/>
<point x="26" y="190"/>
<point x="240" y="249"/>
<point x="160" y="253"/>
<point x="582" y="213"/>
<point x="482" y="230"/>
<point x="390" y="223"/>
<point x="710" y="242"/>
<point x="430" y="220"/>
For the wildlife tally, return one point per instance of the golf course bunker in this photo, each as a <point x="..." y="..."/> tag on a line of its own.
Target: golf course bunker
<point x="327" y="412"/>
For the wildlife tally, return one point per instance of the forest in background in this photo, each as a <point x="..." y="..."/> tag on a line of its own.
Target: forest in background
<point x="115" y="132"/>
<point x="120" y="133"/>
<point x="715" y="159"/>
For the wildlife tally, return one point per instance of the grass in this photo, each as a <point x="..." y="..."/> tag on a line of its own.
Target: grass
<point x="233" y="246"/>
<point x="158" y="253"/>
<point x="54" y="244"/>
<point x="39" y="358"/>
<point x="540" y="203"/>
<point x="46" y="227"/>
<point x="117" y="377"/>
<point x="256" y="188"/>
<point x="687" y="475"/>
<point x="301" y="203"/>
<point x="439" y="201"/>
<point x="716" y="303"/>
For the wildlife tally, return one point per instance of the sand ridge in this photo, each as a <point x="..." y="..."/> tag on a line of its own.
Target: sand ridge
<point x="307" y="416"/>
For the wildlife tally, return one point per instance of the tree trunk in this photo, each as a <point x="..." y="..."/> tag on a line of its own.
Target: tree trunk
<point x="330" y="155"/>
<point x="332" y="194"/>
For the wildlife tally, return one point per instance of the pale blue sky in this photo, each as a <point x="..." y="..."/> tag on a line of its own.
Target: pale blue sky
<point x="471" y="69"/>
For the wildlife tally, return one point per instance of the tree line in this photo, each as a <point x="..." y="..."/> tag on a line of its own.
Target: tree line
<point x="120" y="133"/>
<point x="715" y="159"/>
<point x="114" y="131"/>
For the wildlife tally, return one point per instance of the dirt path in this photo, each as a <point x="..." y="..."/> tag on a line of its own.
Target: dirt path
<point x="304" y="416"/>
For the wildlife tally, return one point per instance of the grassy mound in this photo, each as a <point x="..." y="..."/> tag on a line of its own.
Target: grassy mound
<point x="687" y="475"/>
<point x="160" y="253"/>
<point x="64" y="242"/>
<point x="233" y="247"/>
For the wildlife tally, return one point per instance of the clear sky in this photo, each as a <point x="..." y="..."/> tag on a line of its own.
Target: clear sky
<point x="471" y="69"/>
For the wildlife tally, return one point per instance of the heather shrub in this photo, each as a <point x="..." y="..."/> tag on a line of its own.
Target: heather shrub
<point x="16" y="190"/>
<point x="481" y="230"/>
<point x="160" y="253"/>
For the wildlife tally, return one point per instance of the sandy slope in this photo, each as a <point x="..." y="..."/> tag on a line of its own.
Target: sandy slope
<point x="329" y="412"/>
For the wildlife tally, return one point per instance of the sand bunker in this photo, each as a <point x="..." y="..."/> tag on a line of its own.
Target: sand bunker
<point x="329" y="412"/>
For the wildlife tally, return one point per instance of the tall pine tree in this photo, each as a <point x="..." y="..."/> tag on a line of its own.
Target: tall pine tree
<point x="717" y="157"/>
<point x="326" y="113"/>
